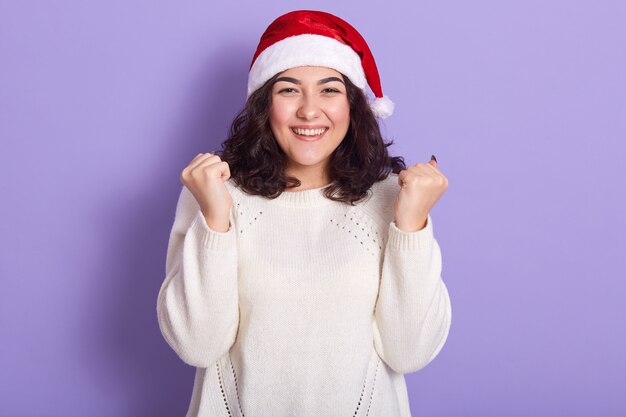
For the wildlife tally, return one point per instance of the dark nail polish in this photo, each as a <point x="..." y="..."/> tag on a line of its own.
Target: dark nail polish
<point x="432" y="158"/>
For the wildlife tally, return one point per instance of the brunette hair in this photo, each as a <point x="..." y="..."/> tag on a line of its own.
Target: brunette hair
<point x="257" y="164"/>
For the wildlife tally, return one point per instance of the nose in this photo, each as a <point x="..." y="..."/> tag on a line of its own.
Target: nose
<point x="309" y="108"/>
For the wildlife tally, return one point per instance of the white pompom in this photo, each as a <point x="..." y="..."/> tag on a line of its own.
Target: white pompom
<point x="382" y="107"/>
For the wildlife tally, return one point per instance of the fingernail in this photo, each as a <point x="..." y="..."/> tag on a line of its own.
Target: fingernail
<point x="432" y="158"/>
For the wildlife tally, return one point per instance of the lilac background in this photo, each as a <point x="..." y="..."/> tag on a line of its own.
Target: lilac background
<point x="523" y="102"/>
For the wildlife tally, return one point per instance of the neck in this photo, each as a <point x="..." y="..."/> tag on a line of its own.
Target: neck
<point x="308" y="179"/>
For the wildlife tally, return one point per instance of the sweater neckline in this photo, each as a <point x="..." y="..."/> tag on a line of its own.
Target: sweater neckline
<point x="310" y="197"/>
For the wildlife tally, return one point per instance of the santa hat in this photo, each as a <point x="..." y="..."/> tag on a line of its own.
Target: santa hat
<point x="314" y="38"/>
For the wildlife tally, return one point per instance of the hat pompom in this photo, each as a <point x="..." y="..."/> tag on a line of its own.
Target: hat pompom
<point x="382" y="107"/>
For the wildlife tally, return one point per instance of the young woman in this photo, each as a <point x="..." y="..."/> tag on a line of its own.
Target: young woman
<point x="302" y="274"/>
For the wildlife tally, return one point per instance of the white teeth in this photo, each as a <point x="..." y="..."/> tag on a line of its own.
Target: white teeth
<point x="309" y="132"/>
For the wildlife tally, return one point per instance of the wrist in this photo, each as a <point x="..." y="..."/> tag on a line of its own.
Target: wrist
<point x="411" y="225"/>
<point x="218" y="223"/>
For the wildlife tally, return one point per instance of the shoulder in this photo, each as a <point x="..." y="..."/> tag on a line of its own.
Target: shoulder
<point x="187" y="200"/>
<point x="379" y="205"/>
<point x="384" y="188"/>
<point x="186" y="209"/>
<point x="187" y="206"/>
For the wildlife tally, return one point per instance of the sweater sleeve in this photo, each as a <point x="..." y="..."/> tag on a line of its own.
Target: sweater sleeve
<point x="197" y="306"/>
<point x="413" y="313"/>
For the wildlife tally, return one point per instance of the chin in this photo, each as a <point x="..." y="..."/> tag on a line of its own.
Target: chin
<point x="307" y="162"/>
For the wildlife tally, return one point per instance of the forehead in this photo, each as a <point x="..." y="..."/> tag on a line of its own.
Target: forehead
<point x="311" y="72"/>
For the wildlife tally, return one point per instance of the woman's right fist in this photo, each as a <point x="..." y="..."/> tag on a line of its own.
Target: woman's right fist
<point x="204" y="177"/>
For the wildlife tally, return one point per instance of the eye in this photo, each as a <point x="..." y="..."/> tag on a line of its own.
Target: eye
<point x="286" y="90"/>
<point x="331" y="90"/>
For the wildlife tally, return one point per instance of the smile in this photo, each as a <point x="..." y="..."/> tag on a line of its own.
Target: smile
<point x="309" y="135"/>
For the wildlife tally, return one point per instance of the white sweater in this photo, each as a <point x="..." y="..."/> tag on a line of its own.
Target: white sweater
<point x="305" y="307"/>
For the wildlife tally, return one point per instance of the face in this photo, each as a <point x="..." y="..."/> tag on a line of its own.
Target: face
<point x="309" y="117"/>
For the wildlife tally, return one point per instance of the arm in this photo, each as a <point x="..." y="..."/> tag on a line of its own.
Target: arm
<point x="413" y="312"/>
<point x="197" y="307"/>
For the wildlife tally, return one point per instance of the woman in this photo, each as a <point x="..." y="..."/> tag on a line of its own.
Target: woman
<point x="302" y="274"/>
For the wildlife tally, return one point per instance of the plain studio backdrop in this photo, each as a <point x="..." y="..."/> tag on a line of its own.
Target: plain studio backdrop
<point x="102" y="104"/>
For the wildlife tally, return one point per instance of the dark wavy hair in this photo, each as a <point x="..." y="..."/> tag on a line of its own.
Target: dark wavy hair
<point x="257" y="163"/>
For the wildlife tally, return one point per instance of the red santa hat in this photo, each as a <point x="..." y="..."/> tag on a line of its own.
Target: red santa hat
<point x="314" y="38"/>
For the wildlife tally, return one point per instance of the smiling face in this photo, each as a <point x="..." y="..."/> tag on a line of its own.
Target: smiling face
<point x="309" y="117"/>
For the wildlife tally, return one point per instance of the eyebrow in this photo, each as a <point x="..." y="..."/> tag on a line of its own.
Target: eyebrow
<point x="295" y="81"/>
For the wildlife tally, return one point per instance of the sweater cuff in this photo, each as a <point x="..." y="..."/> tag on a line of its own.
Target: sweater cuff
<point x="400" y="239"/>
<point x="209" y="238"/>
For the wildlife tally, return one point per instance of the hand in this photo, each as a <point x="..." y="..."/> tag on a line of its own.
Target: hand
<point x="421" y="186"/>
<point x="204" y="177"/>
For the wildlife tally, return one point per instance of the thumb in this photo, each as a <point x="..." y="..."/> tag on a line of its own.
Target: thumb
<point x="433" y="160"/>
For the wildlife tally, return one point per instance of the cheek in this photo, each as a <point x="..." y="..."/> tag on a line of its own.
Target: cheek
<point x="340" y="114"/>
<point x="279" y="114"/>
<point x="275" y="118"/>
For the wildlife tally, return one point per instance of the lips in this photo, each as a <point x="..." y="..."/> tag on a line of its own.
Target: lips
<point x="309" y="138"/>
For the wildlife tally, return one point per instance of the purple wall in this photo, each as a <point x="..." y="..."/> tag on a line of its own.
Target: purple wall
<point x="523" y="103"/>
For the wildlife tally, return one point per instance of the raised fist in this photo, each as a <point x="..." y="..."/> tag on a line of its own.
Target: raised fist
<point x="204" y="177"/>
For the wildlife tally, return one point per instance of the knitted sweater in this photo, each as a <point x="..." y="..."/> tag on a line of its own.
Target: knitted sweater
<point x="305" y="307"/>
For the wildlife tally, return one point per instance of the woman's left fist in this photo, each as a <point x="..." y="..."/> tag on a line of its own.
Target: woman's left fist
<point x="421" y="186"/>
